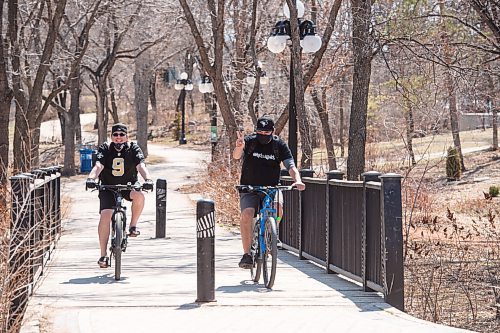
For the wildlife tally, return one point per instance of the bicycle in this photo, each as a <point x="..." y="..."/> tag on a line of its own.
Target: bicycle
<point x="118" y="235"/>
<point x="264" y="234"/>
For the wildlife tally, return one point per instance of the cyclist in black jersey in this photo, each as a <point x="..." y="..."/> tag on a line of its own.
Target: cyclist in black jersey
<point x="118" y="162"/>
<point x="262" y="154"/>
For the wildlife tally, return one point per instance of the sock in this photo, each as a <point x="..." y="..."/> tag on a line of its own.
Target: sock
<point x="278" y="220"/>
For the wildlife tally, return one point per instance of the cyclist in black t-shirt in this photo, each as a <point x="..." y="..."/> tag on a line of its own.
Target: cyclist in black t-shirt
<point x="118" y="163"/>
<point x="262" y="154"/>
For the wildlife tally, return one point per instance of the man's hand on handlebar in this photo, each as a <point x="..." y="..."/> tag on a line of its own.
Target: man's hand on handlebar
<point x="299" y="186"/>
<point x="147" y="185"/>
<point x="90" y="183"/>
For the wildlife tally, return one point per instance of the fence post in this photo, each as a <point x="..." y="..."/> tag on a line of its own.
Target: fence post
<point x="283" y="173"/>
<point x="370" y="176"/>
<point x="205" y="242"/>
<point x="161" y="208"/>
<point x="332" y="174"/>
<point x="392" y="240"/>
<point x="303" y="173"/>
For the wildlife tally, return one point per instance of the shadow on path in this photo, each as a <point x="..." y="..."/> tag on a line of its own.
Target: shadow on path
<point x="100" y="279"/>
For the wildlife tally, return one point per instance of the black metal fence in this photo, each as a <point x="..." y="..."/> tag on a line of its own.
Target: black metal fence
<point x="35" y="227"/>
<point x="353" y="228"/>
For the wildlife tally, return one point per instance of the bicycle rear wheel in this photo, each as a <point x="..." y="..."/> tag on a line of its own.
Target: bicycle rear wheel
<point x="117" y="246"/>
<point x="270" y="258"/>
<point x="255" y="251"/>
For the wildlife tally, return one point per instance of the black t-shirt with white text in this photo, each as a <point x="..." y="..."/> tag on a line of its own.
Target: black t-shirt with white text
<point x="260" y="167"/>
<point x="119" y="167"/>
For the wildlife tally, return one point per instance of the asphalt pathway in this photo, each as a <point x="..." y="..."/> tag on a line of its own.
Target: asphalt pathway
<point x="158" y="289"/>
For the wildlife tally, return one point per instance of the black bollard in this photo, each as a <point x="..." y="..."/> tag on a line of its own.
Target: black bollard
<point x="161" y="208"/>
<point x="205" y="241"/>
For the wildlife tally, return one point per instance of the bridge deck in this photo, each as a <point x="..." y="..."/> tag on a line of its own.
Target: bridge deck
<point x="158" y="289"/>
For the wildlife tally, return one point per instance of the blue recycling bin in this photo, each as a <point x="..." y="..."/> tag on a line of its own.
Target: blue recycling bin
<point x="85" y="160"/>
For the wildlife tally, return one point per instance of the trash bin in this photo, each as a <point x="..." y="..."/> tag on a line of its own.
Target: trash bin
<point x="85" y="160"/>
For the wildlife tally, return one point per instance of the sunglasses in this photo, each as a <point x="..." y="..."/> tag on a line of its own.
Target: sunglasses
<point x="119" y="134"/>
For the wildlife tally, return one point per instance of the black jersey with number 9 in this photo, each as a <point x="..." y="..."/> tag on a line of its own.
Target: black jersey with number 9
<point x="119" y="167"/>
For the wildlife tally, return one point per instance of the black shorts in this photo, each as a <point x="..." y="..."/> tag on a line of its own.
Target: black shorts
<point x="107" y="199"/>
<point x="253" y="200"/>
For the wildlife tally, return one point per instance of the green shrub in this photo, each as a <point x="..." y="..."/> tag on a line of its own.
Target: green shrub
<point x="494" y="191"/>
<point x="453" y="171"/>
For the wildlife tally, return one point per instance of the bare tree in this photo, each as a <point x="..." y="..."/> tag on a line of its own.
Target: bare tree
<point x="28" y="88"/>
<point x="5" y="102"/>
<point x="214" y="69"/>
<point x="142" y="83"/>
<point x="362" y="52"/>
<point x="321" y="107"/>
<point x="114" y="35"/>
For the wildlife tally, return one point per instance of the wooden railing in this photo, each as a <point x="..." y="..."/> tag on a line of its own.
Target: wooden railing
<point x="353" y="228"/>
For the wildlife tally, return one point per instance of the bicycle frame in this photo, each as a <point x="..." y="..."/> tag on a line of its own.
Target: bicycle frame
<point x="267" y="210"/>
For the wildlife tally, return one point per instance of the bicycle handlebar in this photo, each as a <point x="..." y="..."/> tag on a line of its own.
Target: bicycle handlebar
<point x="120" y="187"/>
<point x="254" y="188"/>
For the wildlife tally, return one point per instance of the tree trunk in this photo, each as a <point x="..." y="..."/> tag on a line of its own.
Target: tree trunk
<point x="410" y="129"/>
<point x="142" y="83"/>
<point x="450" y="89"/>
<point x="61" y="100"/>
<point x="152" y="100"/>
<point x="362" y="53"/>
<point x="78" y="126"/>
<point x="323" y="116"/>
<point x="455" y="130"/>
<point x="72" y="114"/>
<point x="101" y="120"/>
<point x="302" y="116"/>
<point x="342" y="120"/>
<point x="5" y="101"/>
<point x="112" y="99"/>
<point x="492" y="107"/>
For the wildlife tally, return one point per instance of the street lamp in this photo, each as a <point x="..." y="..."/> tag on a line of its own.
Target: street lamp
<point x="310" y="43"/>
<point x="206" y="86"/>
<point x="263" y="78"/>
<point x="184" y="84"/>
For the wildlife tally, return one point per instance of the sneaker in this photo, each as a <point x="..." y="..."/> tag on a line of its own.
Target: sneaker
<point x="279" y="244"/>
<point x="103" y="262"/>
<point x="246" y="261"/>
<point x="133" y="232"/>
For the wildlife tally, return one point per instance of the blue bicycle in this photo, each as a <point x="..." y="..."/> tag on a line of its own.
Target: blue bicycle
<point x="264" y="246"/>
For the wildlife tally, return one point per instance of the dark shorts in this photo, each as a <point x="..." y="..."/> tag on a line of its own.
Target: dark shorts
<point x="252" y="200"/>
<point x="107" y="199"/>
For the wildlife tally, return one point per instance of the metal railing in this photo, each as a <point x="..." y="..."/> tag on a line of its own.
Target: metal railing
<point x="34" y="230"/>
<point x="353" y="228"/>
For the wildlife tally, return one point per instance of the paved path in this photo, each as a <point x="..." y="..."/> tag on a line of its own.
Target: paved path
<point x="158" y="290"/>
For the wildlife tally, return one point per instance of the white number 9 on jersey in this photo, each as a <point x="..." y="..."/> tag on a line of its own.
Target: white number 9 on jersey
<point x="118" y="166"/>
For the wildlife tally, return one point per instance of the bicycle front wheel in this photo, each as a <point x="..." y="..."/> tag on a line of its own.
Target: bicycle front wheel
<point x="255" y="251"/>
<point x="270" y="257"/>
<point x="117" y="246"/>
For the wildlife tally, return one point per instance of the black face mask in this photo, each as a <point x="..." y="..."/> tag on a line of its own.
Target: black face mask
<point x="264" y="139"/>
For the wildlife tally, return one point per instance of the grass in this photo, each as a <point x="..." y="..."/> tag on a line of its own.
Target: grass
<point x="427" y="147"/>
<point x="439" y="143"/>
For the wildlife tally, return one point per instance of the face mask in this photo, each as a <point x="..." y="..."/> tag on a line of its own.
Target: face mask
<point x="264" y="139"/>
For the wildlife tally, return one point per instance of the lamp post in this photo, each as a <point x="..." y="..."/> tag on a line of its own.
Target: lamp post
<point x="205" y="87"/>
<point x="183" y="84"/>
<point x="310" y="43"/>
